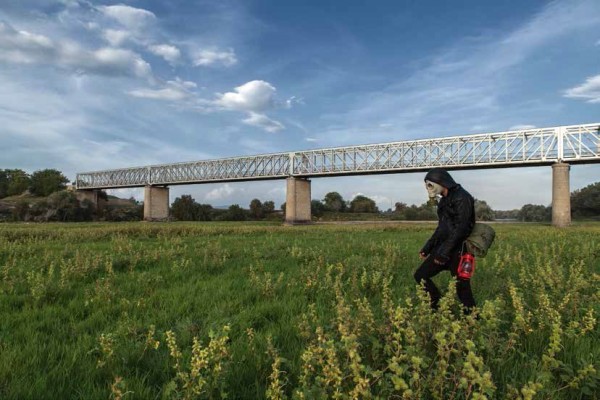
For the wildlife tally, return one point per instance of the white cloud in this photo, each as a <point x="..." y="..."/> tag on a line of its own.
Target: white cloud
<point x="110" y="147"/>
<point x="169" y="94"/>
<point x="114" y="61"/>
<point x="383" y="202"/>
<point x="253" y="96"/>
<point x="310" y="139"/>
<point x="116" y="37"/>
<point x="168" y="52"/>
<point x="289" y="103"/>
<point x="92" y="26"/>
<point x="521" y="127"/>
<point x="220" y="193"/>
<point x="176" y="90"/>
<point x="22" y="47"/>
<point x="589" y="90"/>
<point x="264" y="122"/>
<point x="130" y="17"/>
<point x="206" y="57"/>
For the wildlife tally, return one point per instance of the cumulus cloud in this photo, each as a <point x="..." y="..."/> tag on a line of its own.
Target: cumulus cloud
<point x="264" y="122"/>
<point x="112" y="61"/>
<point x="254" y="96"/>
<point x="220" y="193"/>
<point x="116" y="37"/>
<point x="207" y="57"/>
<point x="589" y="90"/>
<point x="176" y="90"/>
<point x="168" y="52"/>
<point x="130" y="17"/>
<point x="23" y="47"/>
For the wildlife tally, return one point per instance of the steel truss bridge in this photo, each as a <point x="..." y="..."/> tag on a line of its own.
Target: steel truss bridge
<point x="530" y="147"/>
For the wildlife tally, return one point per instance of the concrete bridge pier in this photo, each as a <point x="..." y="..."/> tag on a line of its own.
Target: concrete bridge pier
<point x="561" y="195"/>
<point x="297" y="201"/>
<point x="90" y="195"/>
<point x="93" y="196"/>
<point x="156" y="203"/>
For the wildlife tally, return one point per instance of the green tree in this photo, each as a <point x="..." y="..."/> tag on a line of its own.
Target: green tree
<point x="317" y="208"/>
<point x="506" y="214"/>
<point x="268" y="207"/>
<point x="47" y="181"/>
<point x="63" y="206"/>
<point x="236" y="213"/>
<point x="483" y="212"/>
<point x="184" y="208"/>
<point x="18" y="181"/>
<point x="363" y="204"/>
<point x="204" y="212"/>
<point x="586" y="202"/>
<point x="426" y="212"/>
<point x="256" y="209"/>
<point x="399" y="207"/>
<point x="535" y="213"/>
<point x="334" y="202"/>
<point x="3" y="183"/>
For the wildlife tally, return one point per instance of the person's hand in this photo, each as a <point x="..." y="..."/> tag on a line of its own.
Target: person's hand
<point x="422" y="255"/>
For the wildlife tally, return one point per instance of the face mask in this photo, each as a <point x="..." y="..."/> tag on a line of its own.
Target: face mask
<point x="434" y="189"/>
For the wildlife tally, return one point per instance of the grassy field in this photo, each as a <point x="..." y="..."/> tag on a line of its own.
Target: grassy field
<point x="193" y="310"/>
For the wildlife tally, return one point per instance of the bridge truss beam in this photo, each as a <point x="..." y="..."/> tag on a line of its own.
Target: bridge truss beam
<point x="540" y="146"/>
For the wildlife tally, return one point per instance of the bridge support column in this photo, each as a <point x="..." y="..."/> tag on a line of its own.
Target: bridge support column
<point x="93" y="196"/>
<point x="90" y="195"/>
<point x="561" y="195"/>
<point x="297" y="201"/>
<point x="156" y="203"/>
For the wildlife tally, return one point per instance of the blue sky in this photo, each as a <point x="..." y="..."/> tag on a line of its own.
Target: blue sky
<point x="90" y="85"/>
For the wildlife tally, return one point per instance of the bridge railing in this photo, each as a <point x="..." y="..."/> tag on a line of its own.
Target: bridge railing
<point x="577" y="143"/>
<point x="268" y="166"/>
<point x="533" y="146"/>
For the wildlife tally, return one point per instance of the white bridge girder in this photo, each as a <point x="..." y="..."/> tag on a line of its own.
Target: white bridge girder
<point x="541" y="146"/>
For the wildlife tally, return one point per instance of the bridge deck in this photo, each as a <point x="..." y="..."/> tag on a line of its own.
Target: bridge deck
<point x="541" y="146"/>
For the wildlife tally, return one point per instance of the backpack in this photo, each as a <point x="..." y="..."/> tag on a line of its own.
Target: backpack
<point x="480" y="240"/>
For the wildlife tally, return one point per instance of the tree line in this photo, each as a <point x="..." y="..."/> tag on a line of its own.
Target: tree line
<point x="14" y="182"/>
<point x="585" y="204"/>
<point x="185" y="208"/>
<point x="42" y="196"/>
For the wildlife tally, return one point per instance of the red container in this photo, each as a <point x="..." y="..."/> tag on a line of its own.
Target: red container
<point x="466" y="266"/>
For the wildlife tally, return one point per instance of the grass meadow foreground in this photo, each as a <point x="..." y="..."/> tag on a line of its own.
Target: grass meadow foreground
<point x="190" y="310"/>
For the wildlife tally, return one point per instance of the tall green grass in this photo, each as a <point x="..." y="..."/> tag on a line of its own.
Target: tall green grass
<point x="184" y="310"/>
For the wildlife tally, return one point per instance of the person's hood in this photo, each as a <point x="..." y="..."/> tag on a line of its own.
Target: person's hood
<point x="442" y="177"/>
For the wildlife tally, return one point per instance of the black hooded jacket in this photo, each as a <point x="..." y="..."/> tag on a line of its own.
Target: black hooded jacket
<point x="456" y="216"/>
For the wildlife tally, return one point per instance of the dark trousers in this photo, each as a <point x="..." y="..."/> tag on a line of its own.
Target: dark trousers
<point x="429" y="269"/>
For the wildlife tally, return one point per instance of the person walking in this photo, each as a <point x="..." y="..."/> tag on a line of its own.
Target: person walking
<point x="456" y="218"/>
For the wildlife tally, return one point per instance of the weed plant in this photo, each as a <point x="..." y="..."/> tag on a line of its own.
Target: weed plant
<point x="254" y="311"/>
